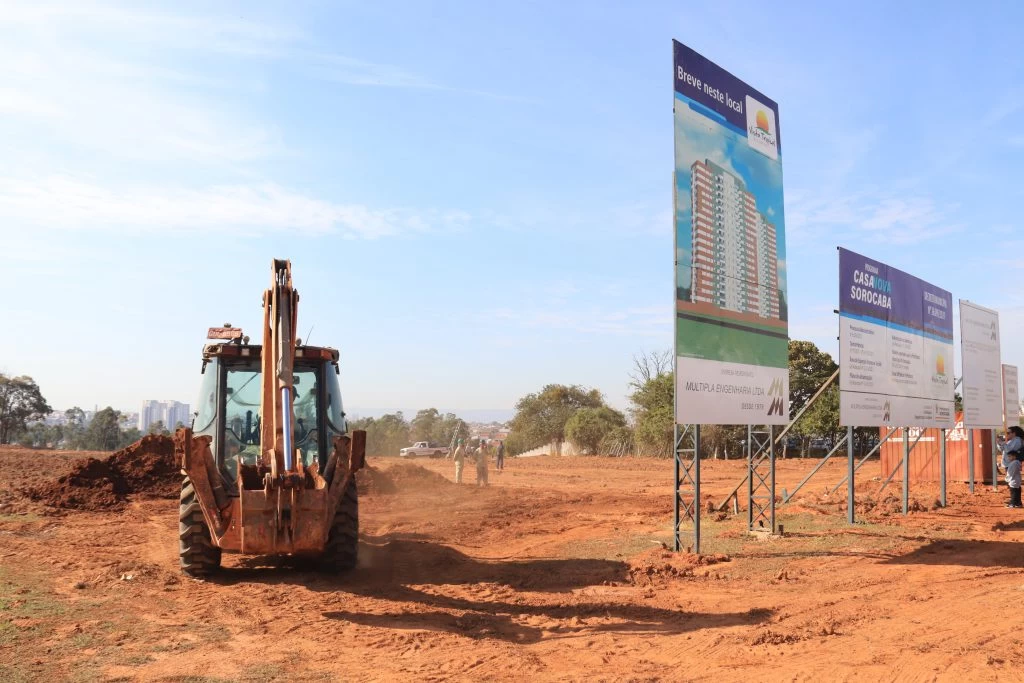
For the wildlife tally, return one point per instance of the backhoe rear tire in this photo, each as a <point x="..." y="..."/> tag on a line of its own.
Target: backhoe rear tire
<point x="199" y="556"/>
<point x="341" y="552"/>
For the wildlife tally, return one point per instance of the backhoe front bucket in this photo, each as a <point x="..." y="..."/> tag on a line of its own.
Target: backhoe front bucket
<point x="277" y="519"/>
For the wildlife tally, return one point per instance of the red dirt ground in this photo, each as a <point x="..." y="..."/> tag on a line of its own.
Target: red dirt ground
<point x="556" y="571"/>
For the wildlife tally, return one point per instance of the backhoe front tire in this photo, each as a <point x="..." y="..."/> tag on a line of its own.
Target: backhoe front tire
<point x="341" y="552"/>
<point x="199" y="556"/>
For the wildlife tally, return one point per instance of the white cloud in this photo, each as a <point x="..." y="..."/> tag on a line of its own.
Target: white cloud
<point x="14" y="101"/>
<point x="63" y="203"/>
<point x="638" y="321"/>
<point x="95" y="77"/>
<point x="208" y="32"/>
<point x="811" y="216"/>
<point x="79" y="101"/>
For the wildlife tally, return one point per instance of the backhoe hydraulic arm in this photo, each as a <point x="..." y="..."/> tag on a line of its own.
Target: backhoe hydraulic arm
<point x="280" y="309"/>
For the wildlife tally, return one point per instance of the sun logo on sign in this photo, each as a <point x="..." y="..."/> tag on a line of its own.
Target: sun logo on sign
<point x="761" y="121"/>
<point x="940" y="365"/>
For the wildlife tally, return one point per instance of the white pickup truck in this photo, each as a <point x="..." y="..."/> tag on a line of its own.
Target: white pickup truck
<point x="423" y="448"/>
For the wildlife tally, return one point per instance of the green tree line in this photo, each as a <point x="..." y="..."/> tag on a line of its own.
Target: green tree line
<point x="23" y="409"/>
<point x="388" y="434"/>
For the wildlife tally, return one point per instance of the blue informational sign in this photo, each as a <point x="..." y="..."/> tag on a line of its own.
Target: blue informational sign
<point x="895" y="347"/>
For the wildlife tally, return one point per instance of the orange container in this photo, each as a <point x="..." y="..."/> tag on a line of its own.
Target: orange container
<point x="924" y="458"/>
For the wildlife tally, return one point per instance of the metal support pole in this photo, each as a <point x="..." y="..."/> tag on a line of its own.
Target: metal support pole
<point x="675" y="511"/>
<point x="942" y="467"/>
<point x="750" y="479"/>
<point x="970" y="460"/>
<point x="761" y="483"/>
<point x="862" y="461"/>
<point x="995" y="463"/>
<point x="771" y="454"/>
<point x="899" y="465"/>
<point x="696" y="489"/>
<point x="906" y="470"/>
<point x="849" y="476"/>
<point x="686" y="506"/>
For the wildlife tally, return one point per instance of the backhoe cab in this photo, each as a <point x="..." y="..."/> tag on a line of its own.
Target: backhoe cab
<point x="269" y="464"/>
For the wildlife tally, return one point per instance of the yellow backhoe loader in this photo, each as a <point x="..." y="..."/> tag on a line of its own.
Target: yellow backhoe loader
<point x="269" y="465"/>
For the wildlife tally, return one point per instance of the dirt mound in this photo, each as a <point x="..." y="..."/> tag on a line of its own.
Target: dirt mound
<point x="146" y="467"/>
<point x="662" y="564"/>
<point x="404" y="476"/>
<point x="770" y="637"/>
<point x="149" y="466"/>
<point x="868" y="503"/>
<point x="370" y="481"/>
<point x="91" y="485"/>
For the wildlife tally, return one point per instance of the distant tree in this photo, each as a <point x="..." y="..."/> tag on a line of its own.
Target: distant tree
<point x="958" y="402"/>
<point x="104" y="432"/>
<point x="588" y="427"/>
<point x="21" y="402"/>
<point x="540" y="418"/>
<point x="34" y="435"/>
<point x="653" y="410"/>
<point x="809" y="368"/>
<point x="618" y="442"/>
<point x="822" y="418"/>
<point x="74" y="428"/>
<point x="128" y="437"/>
<point x="515" y="444"/>
<point x="40" y="435"/>
<point x="726" y="441"/>
<point x="425" y="424"/>
<point x="54" y="436"/>
<point x="649" y="365"/>
<point x="447" y="427"/>
<point x="386" y="435"/>
<point x="158" y="427"/>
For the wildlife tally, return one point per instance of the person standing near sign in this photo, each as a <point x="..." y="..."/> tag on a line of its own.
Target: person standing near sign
<point x="1013" y="452"/>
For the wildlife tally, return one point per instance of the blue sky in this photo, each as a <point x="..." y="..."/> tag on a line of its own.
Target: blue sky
<point x="476" y="198"/>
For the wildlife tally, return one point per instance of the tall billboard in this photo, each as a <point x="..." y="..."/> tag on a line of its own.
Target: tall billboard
<point x="732" y="334"/>
<point x="982" y="371"/>
<point x="1011" y="396"/>
<point x="895" y="347"/>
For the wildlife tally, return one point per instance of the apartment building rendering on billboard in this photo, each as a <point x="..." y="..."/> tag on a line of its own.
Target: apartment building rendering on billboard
<point x="735" y="253"/>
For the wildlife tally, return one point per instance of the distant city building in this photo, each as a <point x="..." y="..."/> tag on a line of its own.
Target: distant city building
<point x="177" y="413"/>
<point x="735" y="254"/>
<point x="169" y="412"/>
<point x="491" y="432"/>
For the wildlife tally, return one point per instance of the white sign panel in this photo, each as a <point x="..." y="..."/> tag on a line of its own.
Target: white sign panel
<point x="1011" y="396"/>
<point x="895" y="348"/>
<point x="979" y="355"/>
